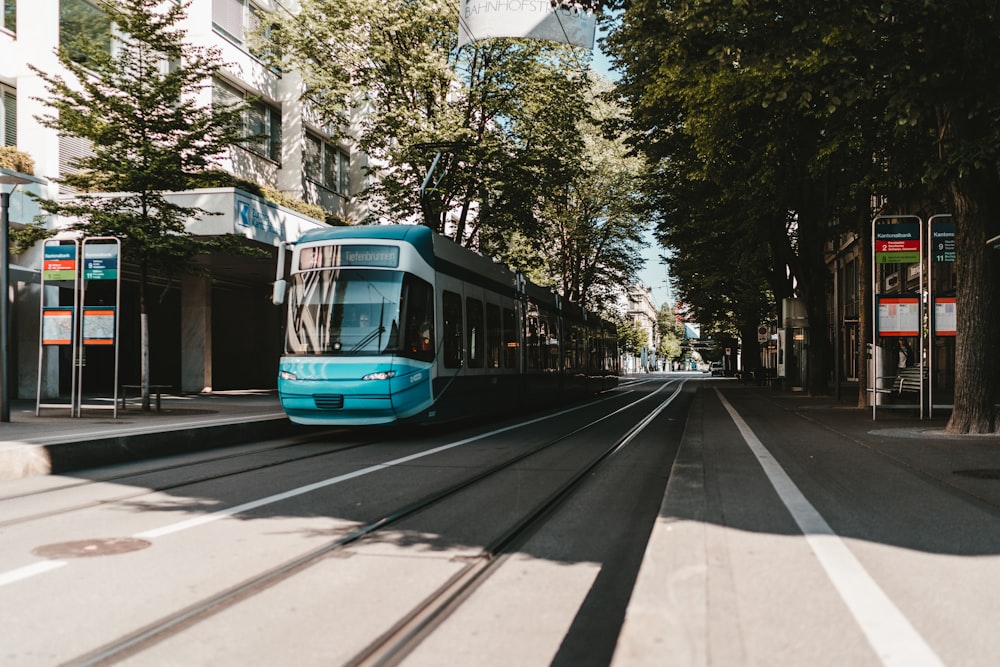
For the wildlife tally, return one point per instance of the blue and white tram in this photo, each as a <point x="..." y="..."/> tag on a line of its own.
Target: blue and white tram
<point x="390" y="323"/>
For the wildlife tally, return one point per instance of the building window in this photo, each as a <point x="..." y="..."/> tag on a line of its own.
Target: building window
<point x="344" y="169"/>
<point x="10" y="15"/>
<point x="9" y="101"/>
<point x="80" y="24"/>
<point x="261" y="121"/>
<point x="264" y="123"/>
<point x="325" y="164"/>
<point x="238" y="20"/>
<point x="229" y="17"/>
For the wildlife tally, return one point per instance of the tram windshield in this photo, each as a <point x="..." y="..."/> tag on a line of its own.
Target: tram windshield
<point x="360" y="312"/>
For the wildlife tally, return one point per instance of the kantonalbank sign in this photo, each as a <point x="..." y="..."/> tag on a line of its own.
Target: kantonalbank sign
<point x="897" y="243"/>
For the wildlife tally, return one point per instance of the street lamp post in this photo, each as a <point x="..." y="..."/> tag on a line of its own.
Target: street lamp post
<point x="5" y="193"/>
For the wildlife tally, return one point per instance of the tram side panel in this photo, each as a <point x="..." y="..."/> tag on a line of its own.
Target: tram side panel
<point x="476" y="370"/>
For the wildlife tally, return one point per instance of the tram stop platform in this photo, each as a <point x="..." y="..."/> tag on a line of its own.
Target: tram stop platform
<point x="54" y="441"/>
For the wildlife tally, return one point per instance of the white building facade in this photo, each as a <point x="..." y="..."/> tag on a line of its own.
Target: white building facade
<point x="217" y="331"/>
<point x="641" y="311"/>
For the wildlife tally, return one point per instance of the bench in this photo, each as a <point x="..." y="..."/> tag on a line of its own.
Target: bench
<point x="154" y="389"/>
<point x="909" y="379"/>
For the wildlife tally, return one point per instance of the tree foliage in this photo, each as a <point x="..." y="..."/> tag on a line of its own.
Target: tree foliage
<point x="592" y="227"/>
<point x="134" y="100"/>
<point x="631" y="337"/>
<point x="796" y="115"/>
<point x="505" y="124"/>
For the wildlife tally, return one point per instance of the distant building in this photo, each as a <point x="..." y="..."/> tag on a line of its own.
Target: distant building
<point x="641" y="310"/>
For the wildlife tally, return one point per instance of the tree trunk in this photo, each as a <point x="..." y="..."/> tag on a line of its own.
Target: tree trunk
<point x="750" y="359"/>
<point x="813" y="279"/>
<point x="865" y="310"/>
<point x="977" y="359"/>
<point x="143" y="340"/>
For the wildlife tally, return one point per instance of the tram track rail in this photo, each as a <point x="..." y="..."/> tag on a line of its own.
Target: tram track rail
<point x="393" y="646"/>
<point x="407" y="633"/>
<point x="312" y="440"/>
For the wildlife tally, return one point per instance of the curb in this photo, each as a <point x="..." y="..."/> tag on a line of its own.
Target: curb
<point x="29" y="459"/>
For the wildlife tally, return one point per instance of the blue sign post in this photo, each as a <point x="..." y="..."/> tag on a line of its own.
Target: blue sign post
<point x="72" y="265"/>
<point x="99" y="322"/>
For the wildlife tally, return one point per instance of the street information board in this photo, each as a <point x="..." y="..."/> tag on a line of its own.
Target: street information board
<point x="59" y="262"/>
<point x="945" y="320"/>
<point x="897" y="243"/>
<point x="98" y="326"/>
<point x="57" y="326"/>
<point x="943" y="241"/>
<point x="898" y="316"/>
<point x="100" y="261"/>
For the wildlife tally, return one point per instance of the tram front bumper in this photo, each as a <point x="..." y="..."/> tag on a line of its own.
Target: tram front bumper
<point x="311" y="393"/>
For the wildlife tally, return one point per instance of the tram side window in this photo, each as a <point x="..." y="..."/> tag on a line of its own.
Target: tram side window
<point x="595" y="353"/>
<point x="492" y="335"/>
<point x="418" y="318"/>
<point x="475" y="331"/>
<point x="571" y="361"/>
<point x="452" y="336"/>
<point x="550" y="349"/>
<point x="531" y="343"/>
<point x="550" y="345"/>
<point x="510" y="348"/>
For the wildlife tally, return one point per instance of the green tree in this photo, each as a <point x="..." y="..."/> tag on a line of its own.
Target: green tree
<point x="508" y="126"/>
<point x="631" y="337"/>
<point x="939" y="67"/>
<point x="744" y="94"/>
<point x="592" y="229"/>
<point x="819" y="106"/>
<point x="135" y="101"/>
<point x="486" y="112"/>
<point x="671" y="333"/>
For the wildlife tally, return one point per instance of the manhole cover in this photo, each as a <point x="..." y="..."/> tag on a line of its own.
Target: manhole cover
<point x="98" y="547"/>
<point x="980" y="473"/>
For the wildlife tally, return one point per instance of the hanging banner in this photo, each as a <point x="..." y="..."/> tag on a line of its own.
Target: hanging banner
<point x="533" y="19"/>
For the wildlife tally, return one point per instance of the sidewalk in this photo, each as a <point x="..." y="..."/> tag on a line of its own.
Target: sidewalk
<point x="721" y="533"/>
<point x="56" y="442"/>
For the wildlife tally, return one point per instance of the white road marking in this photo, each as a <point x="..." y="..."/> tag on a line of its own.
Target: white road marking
<point x="29" y="571"/>
<point x="291" y="493"/>
<point x="26" y="572"/>
<point x="894" y="639"/>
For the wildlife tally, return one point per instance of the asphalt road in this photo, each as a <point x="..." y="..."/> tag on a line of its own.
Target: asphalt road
<point x="704" y="522"/>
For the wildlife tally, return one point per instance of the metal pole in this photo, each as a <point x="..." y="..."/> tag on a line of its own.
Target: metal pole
<point x="4" y="309"/>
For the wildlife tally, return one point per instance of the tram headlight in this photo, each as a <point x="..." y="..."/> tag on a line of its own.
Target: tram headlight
<point x="380" y="375"/>
<point x="287" y="375"/>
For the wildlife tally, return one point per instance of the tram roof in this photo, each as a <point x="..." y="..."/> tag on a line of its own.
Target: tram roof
<point x="420" y="237"/>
